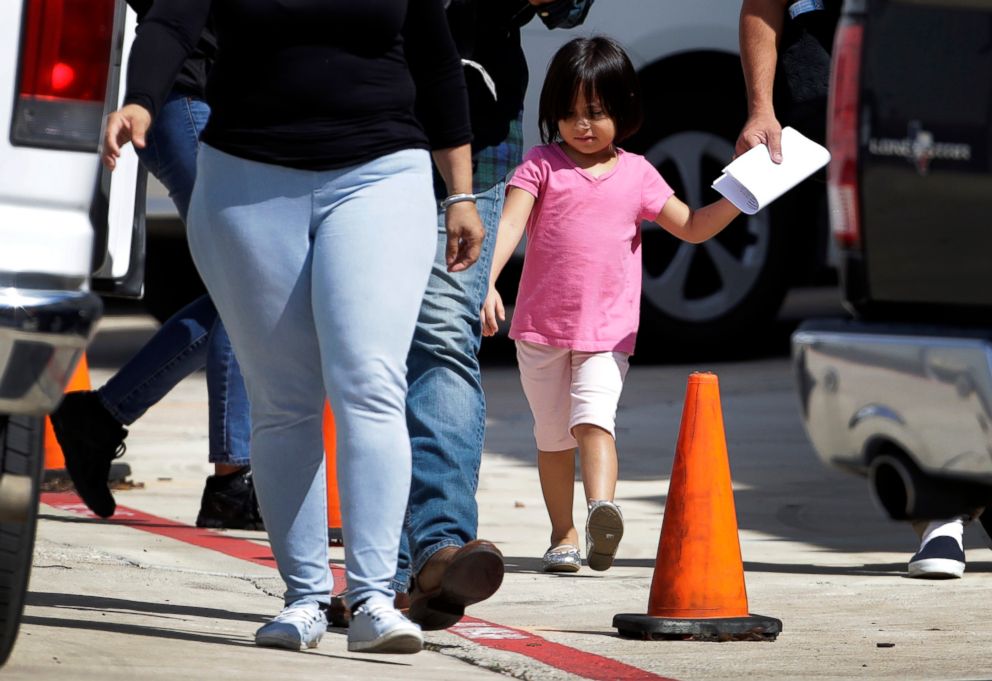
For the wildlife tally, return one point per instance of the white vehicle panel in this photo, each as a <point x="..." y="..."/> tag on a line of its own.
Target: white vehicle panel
<point x="649" y="30"/>
<point x="45" y="238"/>
<point x="44" y="193"/>
<point x="122" y="194"/>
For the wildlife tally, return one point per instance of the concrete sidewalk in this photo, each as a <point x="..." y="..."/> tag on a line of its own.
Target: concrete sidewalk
<point x="108" y="601"/>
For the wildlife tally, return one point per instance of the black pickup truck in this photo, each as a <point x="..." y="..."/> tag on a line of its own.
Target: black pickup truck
<point x="902" y="391"/>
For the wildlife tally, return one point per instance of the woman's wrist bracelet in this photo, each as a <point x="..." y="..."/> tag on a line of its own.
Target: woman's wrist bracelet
<point x="457" y="198"/>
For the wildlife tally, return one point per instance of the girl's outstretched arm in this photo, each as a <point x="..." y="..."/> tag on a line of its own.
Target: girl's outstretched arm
<point x="513" y="222"/>
<point x="696" y="226"/>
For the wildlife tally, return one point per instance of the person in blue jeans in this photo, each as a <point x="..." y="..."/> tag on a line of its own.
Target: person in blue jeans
<point x="443" y="566"/>
<point x="89" y="425"/>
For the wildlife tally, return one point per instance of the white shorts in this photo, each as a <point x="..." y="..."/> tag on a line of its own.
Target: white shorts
<point x="566" y="388"/>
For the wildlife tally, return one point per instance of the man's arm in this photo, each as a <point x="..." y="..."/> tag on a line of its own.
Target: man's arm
<point x="761" y="25"/>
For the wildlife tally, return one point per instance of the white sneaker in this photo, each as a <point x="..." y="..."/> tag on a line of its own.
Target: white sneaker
<point x="299" y="625"/>
<point x="378" y="627"/>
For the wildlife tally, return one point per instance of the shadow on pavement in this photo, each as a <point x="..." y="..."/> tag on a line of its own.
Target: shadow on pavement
<point x="132" y="630"/>
<point x="108" y="604"/>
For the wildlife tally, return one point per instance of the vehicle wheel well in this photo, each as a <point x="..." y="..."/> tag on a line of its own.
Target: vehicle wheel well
<point x="719" y="97"/>
<point x="718" y="103"/>
<point x="691" y="304"/>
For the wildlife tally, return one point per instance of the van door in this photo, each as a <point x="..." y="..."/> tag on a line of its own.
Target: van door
<point x="118" y="208"/>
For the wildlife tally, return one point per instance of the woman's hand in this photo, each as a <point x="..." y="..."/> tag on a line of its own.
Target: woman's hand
<point x="492" y="309"/>
<point x="130" y="123"/>
<point x="465" y="232"/>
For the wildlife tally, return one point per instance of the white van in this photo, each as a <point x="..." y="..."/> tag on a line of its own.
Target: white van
<point x="60" y="220"/>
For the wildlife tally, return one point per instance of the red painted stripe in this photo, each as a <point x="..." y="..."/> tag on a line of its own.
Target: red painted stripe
<point x="481" y="632"/>
<point x="572" y="660"/>
<point x="221" y="542"/>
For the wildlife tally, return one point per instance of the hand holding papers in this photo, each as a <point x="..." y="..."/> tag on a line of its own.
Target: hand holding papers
<point x="753" y="180"/>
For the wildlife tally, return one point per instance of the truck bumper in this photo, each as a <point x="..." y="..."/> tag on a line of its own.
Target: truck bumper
<point x="867" y="388"/>
<point x="43" y="333"/>
<point x="909" y="406"/>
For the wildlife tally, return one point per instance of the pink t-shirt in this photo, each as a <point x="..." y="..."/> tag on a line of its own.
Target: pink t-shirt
<point x="581" y="284"/>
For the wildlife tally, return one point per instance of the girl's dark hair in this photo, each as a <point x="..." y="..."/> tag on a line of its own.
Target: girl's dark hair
<point x="599" y="67"/>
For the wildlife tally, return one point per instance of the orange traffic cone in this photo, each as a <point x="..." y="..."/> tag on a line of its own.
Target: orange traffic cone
<point x="334" y="532"/>
<point x="698" y="587"/>
<point x="80" y="380"/>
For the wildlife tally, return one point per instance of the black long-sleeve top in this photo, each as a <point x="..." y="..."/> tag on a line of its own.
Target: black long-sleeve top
<point x="192" y="77"/>
<point x="311" y="84"/>
<point x="488" y="32"/>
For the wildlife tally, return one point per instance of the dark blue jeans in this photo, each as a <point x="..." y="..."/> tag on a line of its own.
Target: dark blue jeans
<point x="445" y="404"/>
<point x="194" y="337"/>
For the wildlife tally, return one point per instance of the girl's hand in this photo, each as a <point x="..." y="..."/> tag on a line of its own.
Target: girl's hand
<point x="130" y="123"/>
<point x="492" y="310"/>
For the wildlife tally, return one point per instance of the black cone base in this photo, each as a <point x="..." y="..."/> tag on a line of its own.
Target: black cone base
<point x="648" y="628"/>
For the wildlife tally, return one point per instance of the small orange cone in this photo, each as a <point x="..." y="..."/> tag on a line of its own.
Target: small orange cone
<point x="80" y="380"/>
<point x="698" y="587"/>
<point x="334" y="532"/>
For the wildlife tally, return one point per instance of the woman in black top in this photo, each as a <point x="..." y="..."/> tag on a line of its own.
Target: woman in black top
<point x="310" y="224"/>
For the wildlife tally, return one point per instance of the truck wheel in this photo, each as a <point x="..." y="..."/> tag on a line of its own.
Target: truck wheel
<point x="21" y="453"/>
<point x="724" y="294"/>
<point x="727" y="288"/>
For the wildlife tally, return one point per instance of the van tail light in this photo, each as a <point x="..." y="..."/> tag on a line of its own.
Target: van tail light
<point x="64" y="62"/>
<point x="842" y="133"/>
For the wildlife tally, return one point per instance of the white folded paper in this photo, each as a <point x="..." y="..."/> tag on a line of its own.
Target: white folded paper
<point x="753" y="180"/>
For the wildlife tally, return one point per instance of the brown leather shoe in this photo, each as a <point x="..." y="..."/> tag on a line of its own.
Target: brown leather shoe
<point x="452" y="580"/>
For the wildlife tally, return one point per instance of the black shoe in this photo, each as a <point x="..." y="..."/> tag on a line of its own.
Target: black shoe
<point x="229" y="502"/>
<point x="338" y="614"/>
<point x="986" y="520"/>
<point x="90" y="438"/>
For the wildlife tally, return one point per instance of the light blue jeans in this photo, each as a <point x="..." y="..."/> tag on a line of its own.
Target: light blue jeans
<point x="193" y="337"/>
<point x="319" y="276"/>
<point x="446" y="406"/>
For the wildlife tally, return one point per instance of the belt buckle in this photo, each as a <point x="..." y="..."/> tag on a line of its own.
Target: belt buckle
<point x="803" y="6"/>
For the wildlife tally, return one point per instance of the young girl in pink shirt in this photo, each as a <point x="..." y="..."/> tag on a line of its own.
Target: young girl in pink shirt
<point x="581" y="200"/>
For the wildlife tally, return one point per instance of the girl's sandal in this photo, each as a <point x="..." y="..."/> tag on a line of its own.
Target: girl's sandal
<point x="562" y="558"/>
<point x="604" y="529"/>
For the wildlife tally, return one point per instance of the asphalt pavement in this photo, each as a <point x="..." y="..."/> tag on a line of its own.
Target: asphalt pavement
<point x="145" y="596"/>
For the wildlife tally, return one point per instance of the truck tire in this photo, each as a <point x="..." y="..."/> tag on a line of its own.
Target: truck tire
<point x="21" y="453"/>
<point x="730" y="287"/>
<point x="725" y="293"/>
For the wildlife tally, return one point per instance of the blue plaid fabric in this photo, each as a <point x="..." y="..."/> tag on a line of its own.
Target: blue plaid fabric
<point x="492" y="164"/>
